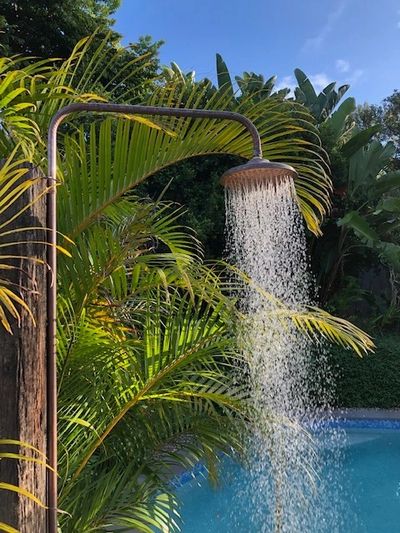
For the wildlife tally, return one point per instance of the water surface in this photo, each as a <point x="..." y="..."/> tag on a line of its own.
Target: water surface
<point x="369" y="491"/>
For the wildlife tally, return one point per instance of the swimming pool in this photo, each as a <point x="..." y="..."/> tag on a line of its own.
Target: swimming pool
<point x="370" y="487"/>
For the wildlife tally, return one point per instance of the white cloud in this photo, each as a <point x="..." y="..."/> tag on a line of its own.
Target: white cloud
<point x="319" y="81"/>
<point x="287" y="82"/>
<point x="314" y="43"/>
<point x="342" y="65"/>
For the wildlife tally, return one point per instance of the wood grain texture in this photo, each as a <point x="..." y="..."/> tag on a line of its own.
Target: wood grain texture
<point x="23" y="369"/>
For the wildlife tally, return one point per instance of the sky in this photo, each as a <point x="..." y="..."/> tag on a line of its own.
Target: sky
<point x="348" y="41"/>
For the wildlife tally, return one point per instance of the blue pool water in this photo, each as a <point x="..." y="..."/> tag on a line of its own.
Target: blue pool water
<point x="369" y="488"/>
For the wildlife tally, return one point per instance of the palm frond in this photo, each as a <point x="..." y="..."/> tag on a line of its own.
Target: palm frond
<point x="15" y="182"/>
<point x="159" y="383"/>
<point x="35" y="456"/>
<point x="317" y="322"/>
<point x="310" y="320"/>
<point x="133" y="239"/>
<point x="121" y="155"/>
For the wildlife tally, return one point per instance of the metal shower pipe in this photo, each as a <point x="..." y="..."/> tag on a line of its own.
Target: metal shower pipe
<point x="52" y="250"/>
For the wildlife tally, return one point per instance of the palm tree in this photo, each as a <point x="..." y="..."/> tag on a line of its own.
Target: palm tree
<point x="146" y="331"/>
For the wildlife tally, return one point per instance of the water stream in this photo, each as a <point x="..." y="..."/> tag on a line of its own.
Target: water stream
<point x="289" y="381"/>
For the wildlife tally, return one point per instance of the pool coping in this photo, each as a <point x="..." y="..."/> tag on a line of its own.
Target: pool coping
<point x="366" y="413"/>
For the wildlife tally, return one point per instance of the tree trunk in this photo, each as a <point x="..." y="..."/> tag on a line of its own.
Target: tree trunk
<point x="23" y="366"/>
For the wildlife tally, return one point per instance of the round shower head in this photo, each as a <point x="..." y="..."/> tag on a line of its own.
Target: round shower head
<point x="257" y="171"/>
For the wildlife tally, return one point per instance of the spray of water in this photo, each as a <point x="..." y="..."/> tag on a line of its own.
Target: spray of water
<point x="288" y="386"/>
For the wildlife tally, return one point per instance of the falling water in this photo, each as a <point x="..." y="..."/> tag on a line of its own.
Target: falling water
<point x="267" y="243"/>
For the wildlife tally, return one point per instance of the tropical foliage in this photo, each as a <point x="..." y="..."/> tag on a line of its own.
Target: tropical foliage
<point x="12" y="187"/>
<point x="387" y="117"/>
<point x="244" y="92"/>
<point x="321" y="105"/>
<point x="146" y="330"/>
<point x="363" y="228"/>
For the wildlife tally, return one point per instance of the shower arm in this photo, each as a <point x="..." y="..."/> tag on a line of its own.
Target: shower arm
<point x="56" y="120"/>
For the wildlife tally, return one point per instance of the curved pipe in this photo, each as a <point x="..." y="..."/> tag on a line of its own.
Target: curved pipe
<point x="52" y="251"/>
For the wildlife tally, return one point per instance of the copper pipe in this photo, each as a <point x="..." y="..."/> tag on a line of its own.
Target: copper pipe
<point x="51" y="330"/>
<point x="52" y="251"/>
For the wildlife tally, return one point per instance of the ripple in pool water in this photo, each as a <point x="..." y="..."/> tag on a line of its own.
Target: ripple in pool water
<point x="369" y="491"/>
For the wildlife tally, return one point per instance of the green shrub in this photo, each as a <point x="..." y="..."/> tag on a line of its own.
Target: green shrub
<point x="371" y="381"/>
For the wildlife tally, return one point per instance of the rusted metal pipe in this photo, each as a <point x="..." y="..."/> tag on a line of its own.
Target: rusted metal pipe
<point x="52" y="251"/>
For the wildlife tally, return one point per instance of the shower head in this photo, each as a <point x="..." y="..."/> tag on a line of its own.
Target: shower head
<point x="257" y="171"/>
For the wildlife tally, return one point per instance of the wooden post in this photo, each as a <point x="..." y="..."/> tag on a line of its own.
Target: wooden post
<point x="23" y="368"/>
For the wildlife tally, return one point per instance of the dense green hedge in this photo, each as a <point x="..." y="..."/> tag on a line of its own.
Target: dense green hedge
<point x="371" y="381"/>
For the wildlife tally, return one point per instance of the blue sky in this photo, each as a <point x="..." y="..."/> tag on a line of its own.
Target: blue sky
<point x="348" y="41"/>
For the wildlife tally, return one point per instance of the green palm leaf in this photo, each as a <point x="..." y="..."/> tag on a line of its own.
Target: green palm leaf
<point x="142" y="148"/>
<point x="100" y="174"/>
<point x="20" y="456"/>
<point x="14" y="183"/>
<point x="310" y="320"/>
<point x="162" y="390"/>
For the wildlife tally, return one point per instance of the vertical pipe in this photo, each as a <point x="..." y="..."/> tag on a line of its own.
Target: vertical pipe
<point x="51" y="331"/>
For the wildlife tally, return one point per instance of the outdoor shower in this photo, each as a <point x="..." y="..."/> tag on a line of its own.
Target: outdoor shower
<point x="258" y="170"/>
